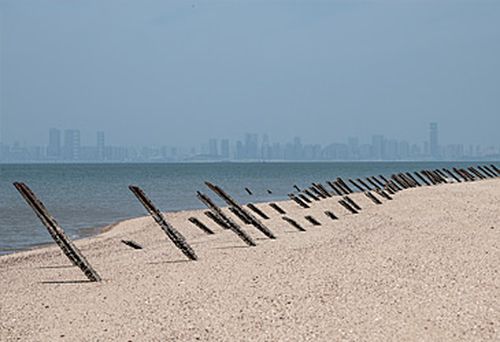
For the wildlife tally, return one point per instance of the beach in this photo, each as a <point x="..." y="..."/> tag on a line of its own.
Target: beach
<point x="421" y="267"/>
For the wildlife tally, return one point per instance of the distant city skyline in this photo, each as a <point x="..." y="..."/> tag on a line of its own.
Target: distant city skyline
<point x="67" y="146"/>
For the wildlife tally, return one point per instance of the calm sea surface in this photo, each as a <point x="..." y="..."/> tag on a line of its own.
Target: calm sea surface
<point x="85" y="197"/>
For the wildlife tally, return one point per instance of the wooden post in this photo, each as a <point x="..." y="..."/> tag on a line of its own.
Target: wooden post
<point x="57" y="233"/>
<point x="476" y="172"/>
<point x="258" y="211"/>
<point x="382" y="185"/>
<point x="491" y="171"/>
<point x="486" y="172"/>
<point x="201" y="225"/>
<point x="372" y="197"/>
<point x="131" y="244"/>
<point x="230" y="201"/>
<point x="229" y="223"/>
<point x="364" y="184"/>
<point x="305" y="198"/>
<point x="347" y="206"/>
<point x="344" y="185"/>
<point x="383" y="194"/>
<point x="310" y="194"/>
<point x="297" y="188"/>
<point x="375" y="185"/>
<point x="317" y="192"/>
<point x="356" y="185"/>
<point x="334" y="187"/>
<point x="452" y="175"/>
<point x="248" y="191"/>
<point x="216" y="218"/>
<point x="409" y="175"/>
<point x="278" y="209"/>
<point x="238" y="214"/>
<point x="331" y="215"/>
<point x="299" y="201"/>
<point x="495" y="168"/>
<point x="293" y="223"/>
<point x="421" y="178"/>
<point x="176" y="237"/>
<point x="351" y="202"/>
<point x="312" y="220"/>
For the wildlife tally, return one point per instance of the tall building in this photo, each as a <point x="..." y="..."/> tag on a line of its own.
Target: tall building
<point x="54" y="146"/>
<point x="101" y="148"/>
<point x="378" y="142"/>
<point x="433" y="141"/>
<point x="224" y="148"/>
<point x="72" y="145"/>
<point x="213" y="149"/>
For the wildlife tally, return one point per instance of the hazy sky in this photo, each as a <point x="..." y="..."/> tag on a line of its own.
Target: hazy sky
<point x="179" y="72"/>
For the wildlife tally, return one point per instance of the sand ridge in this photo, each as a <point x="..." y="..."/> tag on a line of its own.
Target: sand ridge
<point x="423" y="266"/>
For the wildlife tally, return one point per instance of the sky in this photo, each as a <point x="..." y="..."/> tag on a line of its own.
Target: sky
<point x="180" y="72"/>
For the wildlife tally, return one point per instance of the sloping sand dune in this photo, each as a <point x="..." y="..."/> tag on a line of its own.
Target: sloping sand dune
<point x="422" y="267"/>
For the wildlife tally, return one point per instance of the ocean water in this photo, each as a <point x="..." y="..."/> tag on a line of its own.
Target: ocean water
<point x="86" y="197"/>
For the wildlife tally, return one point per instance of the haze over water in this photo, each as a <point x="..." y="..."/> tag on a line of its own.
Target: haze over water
<point x="85" y="197"/>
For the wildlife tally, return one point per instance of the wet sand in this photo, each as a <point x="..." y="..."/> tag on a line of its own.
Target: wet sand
<point x="422" y="267"/>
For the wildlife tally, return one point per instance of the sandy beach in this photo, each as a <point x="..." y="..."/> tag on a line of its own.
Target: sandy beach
<point x="422" y="267"/>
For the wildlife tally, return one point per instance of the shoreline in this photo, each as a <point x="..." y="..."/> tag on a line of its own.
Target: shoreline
<point x="423" y="266"/>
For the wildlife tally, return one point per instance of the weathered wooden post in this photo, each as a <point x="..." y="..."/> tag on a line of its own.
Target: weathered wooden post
<point x="238" y="214"/>
<point x="258" y="211"/>
<point x="313" y="221"/>
<point x="317" y="193"/>
<point x="382" y="185"/>
<point x="477" y="173"/>
<point x="230" y="201"/>
<point x="331" y="215"/>
<point x="486" y="172"/>
<point x="226" y="221"/>
<point x="364" y="184"/>
<point x="297" y="188"/>
<point x="201" y="225"/>
<point x="356" y="185"/>
<point x="293" y="223"/>
<point x="334" y="187"/>
<point x="383" y="194"/>
<point x="348" y="207"/>
<point x="278" y="209"/>
<point x="299" y="201"/>
<point x="131" y="244"/>
<point x="495" y="168"/>
<point x="491" y="171"/>
<point x="57" y="233"/>
<point x="409" y="175"/>
<point x="217" y="219"/>
<point x="372" y="197"/>
<point x="310" y="194"/>
<point x="304" y="198"/>
<point x="176" y="237"/>
<point x="375" y="185"/>
<point x="344" y="185"/>
<point x="248" y="191"/>
<point x="421" y="178"/>
<point x="448" y="172"/>
<point x="351" y="202"/>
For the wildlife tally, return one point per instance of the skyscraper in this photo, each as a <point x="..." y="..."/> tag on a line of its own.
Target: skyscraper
<point x="224" y="148"/>
<point x="213" y="147"/>
<point x="71" y="150"/>
<point x="433" y="141"/>
<point x="54" y="147"/>
<point x="100" y="146"/>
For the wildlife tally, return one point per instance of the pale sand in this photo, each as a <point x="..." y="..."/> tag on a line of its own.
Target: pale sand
<point x="423" y="267"/>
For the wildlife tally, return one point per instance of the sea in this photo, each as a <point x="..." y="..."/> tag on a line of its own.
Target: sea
<point x="84" y="198"/>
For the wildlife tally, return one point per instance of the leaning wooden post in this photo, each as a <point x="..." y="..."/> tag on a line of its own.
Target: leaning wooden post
<point x="375" y="185"/>
<point x="57" y="233"/>
<point x="348" y="207"/>
<point x="334" y="187"/>
<point x="491" y="171"/>
<point x="299" y="201"/>
<point x="495" y="168"/>
<point x="351" y="202"/>
<point x="372" y="197"/>
<point x="421" y="178"/>
<point x="278" y="209"/>
<point x="452" y="175"/>
<point x="310" y="194"/>
<point x="344" y="185"/>
<point x="230" y="201"/>
<point x="201" y="225"/>
<point x="258" y="211"/>
<point x="356" y="185"/>
<point x="172" y="233"/>
<point x="230" y="224"/>
<point x="364" y="184"/>
<point x="477" y="173"/>
<point x="486" y="172"/>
